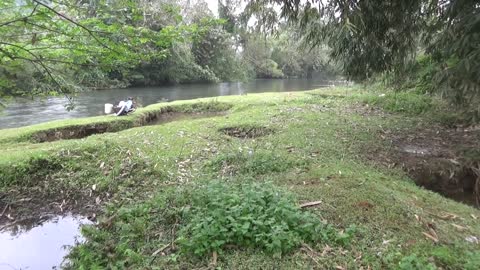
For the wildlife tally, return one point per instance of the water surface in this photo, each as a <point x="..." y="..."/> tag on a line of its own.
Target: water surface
<point x="27" y="112"/>
<point x="39" y="244"/>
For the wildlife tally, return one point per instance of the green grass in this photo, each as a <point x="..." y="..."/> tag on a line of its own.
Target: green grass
<point x="114" y="124"/>
<point x="149" y="179"/>
<point x="413" y="102"/>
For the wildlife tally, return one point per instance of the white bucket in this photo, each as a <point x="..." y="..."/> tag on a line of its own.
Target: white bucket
<point x="108" y="108"/>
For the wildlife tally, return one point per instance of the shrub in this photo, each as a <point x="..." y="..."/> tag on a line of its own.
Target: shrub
<point x="249" y="216"/>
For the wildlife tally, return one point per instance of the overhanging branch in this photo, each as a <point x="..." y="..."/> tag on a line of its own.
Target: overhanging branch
<point x="90" y="32"/>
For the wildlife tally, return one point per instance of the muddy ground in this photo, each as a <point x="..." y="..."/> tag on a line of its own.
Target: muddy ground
<point x="444" y="160"/>
<point x="22" y="210"/>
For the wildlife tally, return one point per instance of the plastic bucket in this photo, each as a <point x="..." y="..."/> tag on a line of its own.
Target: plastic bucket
<point x="108" y="108"/>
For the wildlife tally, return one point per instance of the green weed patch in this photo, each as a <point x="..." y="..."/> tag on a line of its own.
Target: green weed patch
<point x="214" y="217"/>
<point x="248" y="215"/>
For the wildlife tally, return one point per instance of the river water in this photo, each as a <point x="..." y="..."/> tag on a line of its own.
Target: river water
<point x="28" y="112"/>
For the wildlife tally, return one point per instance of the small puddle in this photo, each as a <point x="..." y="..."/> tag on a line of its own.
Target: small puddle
<point x="39" y="244"/>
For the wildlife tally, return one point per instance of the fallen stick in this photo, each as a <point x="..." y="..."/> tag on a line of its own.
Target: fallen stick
<point x="4" y="209"/>
<point x="214" y="258"/>
<point x="160" y="250"/>
<point x="309" y="204"/>
<point x="431" y="237"/>
<point x="154" y="254"/>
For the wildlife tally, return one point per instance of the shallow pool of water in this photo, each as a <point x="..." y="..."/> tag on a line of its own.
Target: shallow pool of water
<point x="39" y="244"/>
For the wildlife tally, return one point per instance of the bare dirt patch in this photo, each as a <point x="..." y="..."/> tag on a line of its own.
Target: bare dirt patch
<point x="178" y="116"/>
<point x="73" y="132"/>
<point x="247" y="132"/>
<point x="440" y="159"/>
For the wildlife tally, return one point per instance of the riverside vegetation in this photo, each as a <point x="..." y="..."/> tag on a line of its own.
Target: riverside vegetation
<point x="262" y="181"/>
<point x="320" y="179"/>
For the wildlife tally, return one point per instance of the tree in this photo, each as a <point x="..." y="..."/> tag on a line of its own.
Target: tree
<point x="297" y="60"/>
<point x="258" y="52"/>
<point x="452" y="40"/>
<point x="377" y="36"/>
<point x="51" y="41"/>
<point x="226" y="11"/>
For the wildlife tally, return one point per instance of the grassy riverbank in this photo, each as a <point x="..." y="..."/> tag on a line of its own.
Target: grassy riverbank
<point x="154" y="179"/>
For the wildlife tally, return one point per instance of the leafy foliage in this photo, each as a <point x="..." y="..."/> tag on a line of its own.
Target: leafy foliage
<point x="367" y="37"/>
<point x="297" y="60"/>
<point x="257" y="51"/>
<point x="213" y="217"/>
<point x="53" y="41"/>
<point x="178" y="67"/>
<point x="412" y="262"/>
<point x="215" y="50"/>
<point x="248" y="215"/>
<point x="453" y="44"/>
<point x="65" y="46"/>
<point x="404" y="102"/>
<point x="372" y="37"/>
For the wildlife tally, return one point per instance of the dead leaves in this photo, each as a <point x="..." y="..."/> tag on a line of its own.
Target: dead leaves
<point x="313" y="255"/>
<point x="447" y="219"/>
<point x="472" y="239"/>
<point x="318" y="257"/>
<point x="445" y="216"/>
<point x="184" y="172"/>
<point x="4" y="209"/>
<point x="459" y="228"/>
<point x="430" y="226"/>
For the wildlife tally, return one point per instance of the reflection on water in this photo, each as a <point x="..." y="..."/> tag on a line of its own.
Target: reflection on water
<point x="28" y="112"/>
<point x="39" y="244"/>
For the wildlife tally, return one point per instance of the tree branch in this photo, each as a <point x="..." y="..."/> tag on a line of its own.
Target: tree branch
<point x="22" y="18"/>
<point x="42" y="64"/>
<point x="90" y="32"/>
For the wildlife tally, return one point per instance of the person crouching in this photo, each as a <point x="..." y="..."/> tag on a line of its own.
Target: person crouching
<point x="124" y="107"/>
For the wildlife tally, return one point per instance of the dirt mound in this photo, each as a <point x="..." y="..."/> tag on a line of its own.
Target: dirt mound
<point x="443" y="160"/>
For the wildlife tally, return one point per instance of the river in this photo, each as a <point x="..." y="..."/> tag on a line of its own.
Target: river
<point x="28" y="112"/>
